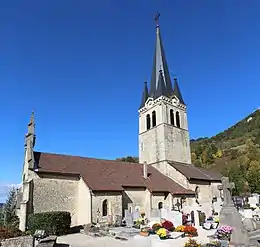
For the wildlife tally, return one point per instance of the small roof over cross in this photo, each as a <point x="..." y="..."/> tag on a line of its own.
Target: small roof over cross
<point x="227" y="188"/>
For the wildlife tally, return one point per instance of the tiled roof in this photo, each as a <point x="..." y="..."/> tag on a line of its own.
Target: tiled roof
<point x="193" y="172"/>
<point x="107" y="175"/>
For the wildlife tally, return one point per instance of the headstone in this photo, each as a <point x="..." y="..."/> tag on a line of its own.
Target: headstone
<point x="230" y="216"/>
<point x="249" y="224"/>
<point x="217" y="205"/>
<point x="136" y="215"/>
<point x="175" y="217"/>
<point x="253" y="201"/>
<point x="129" y="219"/>
<point x="163" y="213"/>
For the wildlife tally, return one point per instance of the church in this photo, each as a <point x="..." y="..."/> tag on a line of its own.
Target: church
<point x="94" y="189"/>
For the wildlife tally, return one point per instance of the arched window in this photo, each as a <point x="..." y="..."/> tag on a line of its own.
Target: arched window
<point x="178" y="123"/>
<point x="104" y="208"/>
<point x="148" y="122"/>
<point x="154" y="118"/>
<point x="171" y="117"/>
<point x="160" y="205"/>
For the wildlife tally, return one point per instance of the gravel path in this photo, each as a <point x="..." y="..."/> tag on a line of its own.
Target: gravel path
<point x="82" y="240"/>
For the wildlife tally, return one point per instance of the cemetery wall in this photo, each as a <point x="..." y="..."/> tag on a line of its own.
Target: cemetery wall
<point x="83" y="204"/>
<point x="114" y="200"/>
<point x="26" y="241"/>
<point x="56" y="193"/>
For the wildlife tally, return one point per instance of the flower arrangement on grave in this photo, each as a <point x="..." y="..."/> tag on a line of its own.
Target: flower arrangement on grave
<point x="168" y="225"/>
<point x="214" y="243"/>
<point x="180" y="228"/>
<point x="216" y="219"/>
<point x="145" y="231"/>
<point x="162" y="233"/>
<point x="156" y="227"/>
<point x="190" y="231"/>
<point x="192" y="243"/>
<point x="139" y="221"/>
<point x="224" y="233"/>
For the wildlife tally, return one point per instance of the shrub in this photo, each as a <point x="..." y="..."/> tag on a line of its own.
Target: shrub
<point x="57" y="223"/>
<point x="6" y="233"/>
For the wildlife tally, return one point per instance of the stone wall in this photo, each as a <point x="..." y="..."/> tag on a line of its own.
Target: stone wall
<point x="56" y="193"/>
<point x="26" y="241"/>
<point x="134" y="196"/>
<point x="161" y="197"/>
<point x="114" y="202"/>
<point x="164" y="141"/>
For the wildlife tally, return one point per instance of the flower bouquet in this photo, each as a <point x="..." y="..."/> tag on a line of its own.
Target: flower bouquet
<point x="224" y="233"/>
<point x="145" y="231"/>
<point x="162" y="233"/>
<point x="192" y="243"/>
<point x="155" y="228"/>
<point x="190" y="231"/>
<point x="180" y="228"/>
<point x="168" y="225"/>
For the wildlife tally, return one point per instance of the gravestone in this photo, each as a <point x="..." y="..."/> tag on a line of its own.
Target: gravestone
<point x="217" y="205"/>
<point x="175" y="217"/>
<point x="136" y="215"/>
<point x="163" y="213"/>
<point x="129" y="219"/>
<point x="229" y="215"/>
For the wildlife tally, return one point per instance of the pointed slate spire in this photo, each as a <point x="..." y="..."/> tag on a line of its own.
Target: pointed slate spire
<point x="177" y="91"/>
<point x="161" y="89"/>
<point x="145" y="95"/>
<point x="159" y="63"/>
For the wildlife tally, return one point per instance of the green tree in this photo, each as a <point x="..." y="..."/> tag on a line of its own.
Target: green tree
<point x="253" y="176"/>
<point x="130" y="159"/>
<point x="9" y="210"/>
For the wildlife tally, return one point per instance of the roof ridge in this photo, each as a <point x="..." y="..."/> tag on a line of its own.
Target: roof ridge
<point x="84" y="157"/>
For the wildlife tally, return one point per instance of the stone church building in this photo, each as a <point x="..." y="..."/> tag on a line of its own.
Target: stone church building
<point x="95" y="189"/>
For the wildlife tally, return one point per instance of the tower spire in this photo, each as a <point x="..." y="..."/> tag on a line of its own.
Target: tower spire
<point x="177" y="91"/>
<point x="159" y="63"/>
<point x="145" y="95"/>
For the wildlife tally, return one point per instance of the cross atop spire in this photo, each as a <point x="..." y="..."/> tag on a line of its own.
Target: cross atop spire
<point x="160" y="64"/>
<point x="156" y="18"/>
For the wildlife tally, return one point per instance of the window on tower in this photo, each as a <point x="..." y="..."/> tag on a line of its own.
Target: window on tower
<point x="172" y="117"/>
<point x="178" y="123"/>
<point x="148" y="122"/>
<point x="154" y="118"/>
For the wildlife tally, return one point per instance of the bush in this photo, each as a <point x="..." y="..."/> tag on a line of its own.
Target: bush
<point x="6" y="233"/>
<point x="54" y="223"/>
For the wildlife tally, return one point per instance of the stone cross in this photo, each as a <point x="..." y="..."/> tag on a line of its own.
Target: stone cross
<point x="227" y="191"/>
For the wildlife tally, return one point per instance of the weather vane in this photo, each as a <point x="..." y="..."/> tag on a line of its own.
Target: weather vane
<point x="156" y="18"/>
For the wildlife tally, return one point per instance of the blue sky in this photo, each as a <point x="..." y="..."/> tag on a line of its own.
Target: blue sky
<point x="80" y="65"/>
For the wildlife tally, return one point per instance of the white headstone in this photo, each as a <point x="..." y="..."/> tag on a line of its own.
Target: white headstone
<point x="175" y="217"/>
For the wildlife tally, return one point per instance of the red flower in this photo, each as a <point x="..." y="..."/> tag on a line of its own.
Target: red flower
<point x="168" y="225"/>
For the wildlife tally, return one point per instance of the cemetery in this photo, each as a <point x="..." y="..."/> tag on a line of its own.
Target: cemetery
<point x="231" y="224"/>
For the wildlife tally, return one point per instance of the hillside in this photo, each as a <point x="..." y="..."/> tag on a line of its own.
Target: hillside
<point x="234" y="152"/>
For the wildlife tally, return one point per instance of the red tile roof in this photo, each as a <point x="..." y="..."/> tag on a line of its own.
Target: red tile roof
<point x="107" y="175"/>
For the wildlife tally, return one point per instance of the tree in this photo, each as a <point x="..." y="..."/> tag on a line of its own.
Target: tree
<point x="130" y="159"/>
<point x="9" y="211"/>
<point x="253" y="176"/>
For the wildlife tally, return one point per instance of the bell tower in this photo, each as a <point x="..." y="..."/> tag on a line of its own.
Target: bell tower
<point x="163" y="126"/>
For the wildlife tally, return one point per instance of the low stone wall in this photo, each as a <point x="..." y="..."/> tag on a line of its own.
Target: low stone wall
<point x="25" y="241"/>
